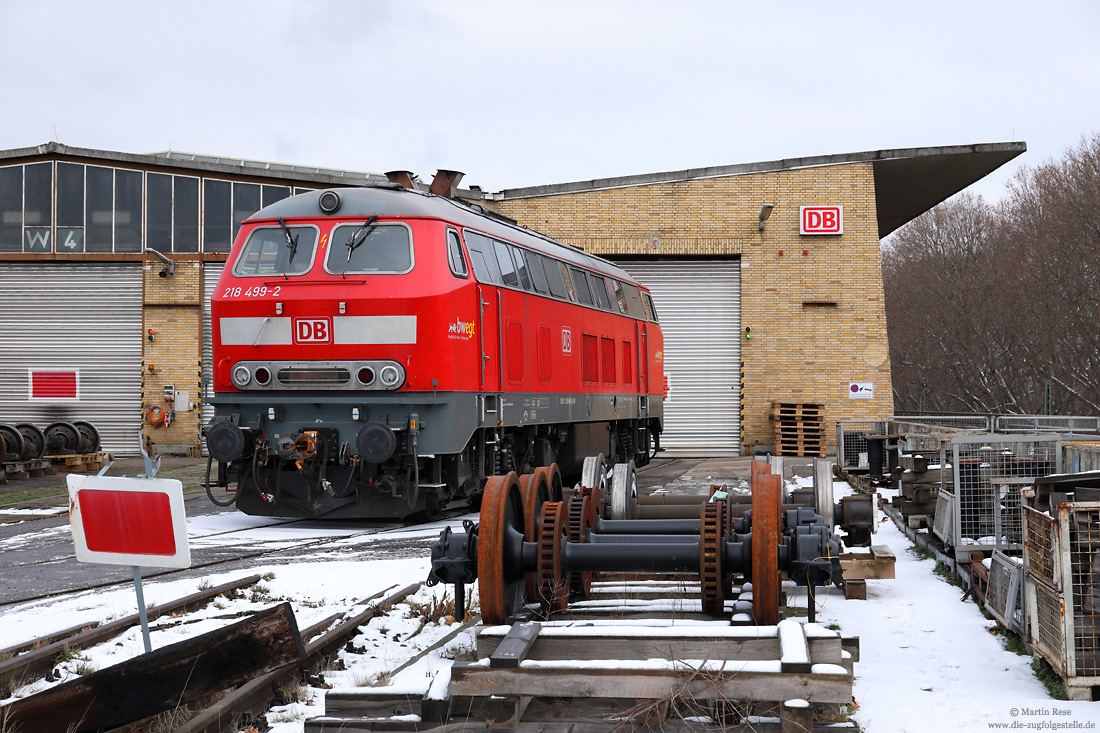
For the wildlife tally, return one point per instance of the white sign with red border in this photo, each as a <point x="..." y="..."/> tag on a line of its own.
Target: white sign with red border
<point x="821" y="220"/>
<point x="128" y="521"/>
<point x="861" y="390"/>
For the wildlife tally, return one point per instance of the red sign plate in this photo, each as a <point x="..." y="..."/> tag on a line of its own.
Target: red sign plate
<point x="821" y="220"/>
<point x="128" y="521"/>
<point x="54" y="385"/>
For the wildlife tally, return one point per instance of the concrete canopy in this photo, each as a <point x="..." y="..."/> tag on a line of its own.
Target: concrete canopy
<point x="908" y="182"/>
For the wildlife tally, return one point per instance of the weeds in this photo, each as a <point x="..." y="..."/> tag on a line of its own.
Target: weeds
<point x="1009" y="640"/>
<point x="1050" y="679"/>
<point x="205" y="584"/>
<point x="371" y="679"/>
<point x="921" y="553"/>
<point x="268" y="576"/>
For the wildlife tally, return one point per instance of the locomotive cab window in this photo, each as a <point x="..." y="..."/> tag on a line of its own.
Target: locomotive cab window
<point x="369" y="247"/>
<point x="650" y="311"/>
<point x="268" y="251"/>
<point x="454" y="255"/>
<point x="483" y="259"/>
<point x="507" y="267"/>
<point x="521" y="268"/>
<point x="555" y="279"/>
<point x="599" y="289"/>
<point x="538" y="275"/>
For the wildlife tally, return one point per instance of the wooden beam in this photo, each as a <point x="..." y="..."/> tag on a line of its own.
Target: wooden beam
<point x="514" y="647"/>
<point x="166" y="678"/>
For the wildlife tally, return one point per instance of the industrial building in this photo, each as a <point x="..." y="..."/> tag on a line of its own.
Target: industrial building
<point x="766" y="278"/>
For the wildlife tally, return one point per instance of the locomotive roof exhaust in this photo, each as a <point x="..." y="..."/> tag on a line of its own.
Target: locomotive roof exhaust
<point x="446" y="183"/>
<point x="405" y="178"/>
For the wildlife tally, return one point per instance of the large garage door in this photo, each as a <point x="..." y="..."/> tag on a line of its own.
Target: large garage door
<point x="699" y="306"/>
<point x="73" y="317"/>
<point x="210" y="274"/>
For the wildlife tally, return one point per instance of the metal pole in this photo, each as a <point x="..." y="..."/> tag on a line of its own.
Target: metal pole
<point x="141" y="610"/>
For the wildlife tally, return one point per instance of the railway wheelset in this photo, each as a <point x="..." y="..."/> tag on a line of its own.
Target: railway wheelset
<point x="534" y="545"/>
<point x="26" y="441"/>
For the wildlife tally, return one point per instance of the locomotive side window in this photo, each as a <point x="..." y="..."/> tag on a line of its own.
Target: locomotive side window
<point x="268" y="252"/>
<point x="521" y="268"/>
<point x="568" y="281"/>
<point x="507" y="267"/>
<point x="370" y="247"/>
<point x="599" y="289"/>
<point x="620" y="296"/>
<point x="553" y="271"/>
<point x="580" y="285"/>
<point x="650" y="311"/>
<point x="454" y="255"/>
<point x="483" y="259"/>
<point x="538" y="275"/>
<point x="633" y="297"/>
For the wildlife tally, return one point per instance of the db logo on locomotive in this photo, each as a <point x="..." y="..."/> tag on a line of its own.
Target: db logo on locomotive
<point x="312" y="331"/>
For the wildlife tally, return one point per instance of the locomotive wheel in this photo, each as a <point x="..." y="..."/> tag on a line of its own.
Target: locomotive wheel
<point x="765" y="549"/>
<point x="624" y="491"/>
<point x="62" y="438"/>
<point x="582" y="518"/>
<point x="592" y="470"/>
<point x="11" y="443"/>
<point x="500" y="536"/>
<point x="553" y="594"/>
<point x="536" y="492"/>
<point x="711" y="582"/>
<point x="34" y="441"/>
<point x="554" y="479"/>
<point x="89" y="436"/>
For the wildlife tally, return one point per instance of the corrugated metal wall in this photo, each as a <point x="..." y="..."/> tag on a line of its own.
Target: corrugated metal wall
<point x="699" y="306"/>
<point x="84" y="316"/>
<point x="211" y="271"/>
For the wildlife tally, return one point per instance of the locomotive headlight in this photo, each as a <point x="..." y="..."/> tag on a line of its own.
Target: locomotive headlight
<point x="329" y="202"/>
<point x="390" y="376"/>
<point x="241" y="376"/>
<point x="263" y="375"/>
<point x="365" y="376"/>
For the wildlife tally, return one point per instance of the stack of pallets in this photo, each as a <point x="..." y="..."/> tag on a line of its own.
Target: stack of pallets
<point x="799" y="428"/>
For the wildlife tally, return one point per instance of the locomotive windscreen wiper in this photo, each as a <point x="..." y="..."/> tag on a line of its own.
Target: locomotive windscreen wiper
<point x="360" y="235"/>
<point x="291" y="241"/>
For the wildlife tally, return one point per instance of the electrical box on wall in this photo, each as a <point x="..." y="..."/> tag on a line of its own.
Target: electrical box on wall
<point x="183" y="400"/>
<point x="169" y="390"/>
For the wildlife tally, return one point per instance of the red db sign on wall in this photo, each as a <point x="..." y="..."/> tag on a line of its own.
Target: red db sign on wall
<point x="821" y="220"/>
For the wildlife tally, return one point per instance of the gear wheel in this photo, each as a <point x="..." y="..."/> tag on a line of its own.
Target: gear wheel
<point x="711" y="586"/>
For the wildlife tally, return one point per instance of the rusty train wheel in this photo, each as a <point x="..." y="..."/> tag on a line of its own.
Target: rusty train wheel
<point x="765" y="549"/>
<point x="711" y="584"/>
<point x="34" y="441"/>
<point x="554" y="479"/>
<point x="500" y="535"/>
<point x="553" y="529"/>
<point x="582" y="518"/>
<point x="11" y="443"/>
<point x="536" y="492"/>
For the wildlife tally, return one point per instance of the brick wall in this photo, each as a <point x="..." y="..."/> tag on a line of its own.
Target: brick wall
<point x="798" y="352"/>
<point x="173" y="309"/>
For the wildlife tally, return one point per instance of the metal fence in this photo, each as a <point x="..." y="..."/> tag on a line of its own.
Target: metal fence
<point x="851" y="440"/>
<point x="985" y="501"/>
<point x="1063" y="424"/>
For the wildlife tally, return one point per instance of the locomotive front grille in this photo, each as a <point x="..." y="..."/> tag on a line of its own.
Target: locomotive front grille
<point x="314" y="376"/>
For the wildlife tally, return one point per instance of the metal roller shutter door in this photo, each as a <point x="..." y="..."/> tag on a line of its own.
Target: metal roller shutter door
<point x="211" y="271"/>
<point x="65" y="316"/>
<point x="699" y="306"/>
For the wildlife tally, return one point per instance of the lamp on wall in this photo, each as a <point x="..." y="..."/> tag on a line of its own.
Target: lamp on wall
<point x="765" y="212"/>
<point x="169" y="264"/>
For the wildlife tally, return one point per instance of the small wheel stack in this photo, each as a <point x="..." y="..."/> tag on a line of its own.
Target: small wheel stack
<point x="26" y="448"/>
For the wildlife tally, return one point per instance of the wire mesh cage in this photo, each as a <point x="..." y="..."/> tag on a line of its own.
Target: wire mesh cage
<point x="1004" y="595"/>
<point x="1064" y="616"/>
<point x="990" y="473"/>
<point x="851" y="439"/>
<point x="944" y="519"/>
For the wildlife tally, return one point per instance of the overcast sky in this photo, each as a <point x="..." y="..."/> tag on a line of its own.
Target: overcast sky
<point x="525" y="93"/>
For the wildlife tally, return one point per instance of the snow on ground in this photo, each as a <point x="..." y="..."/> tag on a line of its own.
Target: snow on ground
<point x="927" y="661"/>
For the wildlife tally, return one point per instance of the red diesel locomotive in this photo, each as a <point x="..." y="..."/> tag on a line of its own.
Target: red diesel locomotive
<point x="379" y="352"/>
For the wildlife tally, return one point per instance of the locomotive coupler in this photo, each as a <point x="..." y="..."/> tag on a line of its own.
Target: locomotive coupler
<point x="454" y="561"/>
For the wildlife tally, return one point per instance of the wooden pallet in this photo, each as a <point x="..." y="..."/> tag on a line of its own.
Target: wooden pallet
<point x="33" y="468"/>
<point x="612" y="660"/>
<point x="784" y="410"/>
<point x="77" y="462"/>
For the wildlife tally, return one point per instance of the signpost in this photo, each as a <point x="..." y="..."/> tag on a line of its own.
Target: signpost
<point x="129" y="521"/>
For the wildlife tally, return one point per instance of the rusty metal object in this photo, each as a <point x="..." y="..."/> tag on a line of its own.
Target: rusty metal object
<point x="553" y="528"/>
<point x="62" y="438"/>
<point x="445" y="183"/>
<point x="711" y="582"/>
<point x="582" y="517"/>
<point x="404" y="178"/>
<point x="765" y="547"/>
<point x="501" y="514"/>
<point x="11" y="443"/>
<point x="34" y="441"/>
<point x="554" y="479"/>
<point x="536" y="492"/>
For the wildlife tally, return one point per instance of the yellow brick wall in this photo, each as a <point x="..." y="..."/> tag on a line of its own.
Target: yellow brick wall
<point x="797" y="353"/>
<point x="173" y="309"/>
